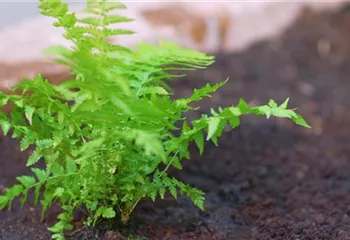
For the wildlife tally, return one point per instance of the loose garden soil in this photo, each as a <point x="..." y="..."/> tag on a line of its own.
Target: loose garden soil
<point x="267" y="179"/>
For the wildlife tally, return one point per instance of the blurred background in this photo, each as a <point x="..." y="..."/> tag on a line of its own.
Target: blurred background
<point x="220" y="27"/>
<point x="208" y="26"/>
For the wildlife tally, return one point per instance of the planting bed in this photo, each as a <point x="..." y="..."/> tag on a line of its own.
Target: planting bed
<point x="268" y="179"/>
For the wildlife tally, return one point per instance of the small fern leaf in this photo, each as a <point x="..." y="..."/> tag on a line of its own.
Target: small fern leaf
<point x="40" y="174"/>
<point x="153" y="90"/>
<point x="284" y="105"/>
<point x="199" y="202"/>
<point x="44" y="143"/>
<point x="5" y="126"/>
<point x="119" y="31"/>
<point x="213" y="124"/>
<point x="264" y="110"/>
<point x="90" y="21"/>
<point x="46" y="202"/>
<point x="199" y="140"/>
<point x="112" y="19"/>
<point x="106" y="212"/>
<point x="29" y="113"/>
<point x="282" y="113"/>
<point x="33" y="158"/>
<point x="37" y="189"/>
<point x="108" y="6"/>
<point x="106" y="32"/>
<point x="153" y="195"/>
<point x="272" y="104"/>
<point x="198" y="94"/>
<point x="234" y="122"/>
<point x="58" y="192"/>
<point x="150" y="143"/>
<point x="103" y="7"/>
<point x="68" y="20"/>
<point x="243" y="107"/>
<point x="3" y="99"/>
<point x="71" y="166"/>
<point x="162" y="192"/>
<point x="300" y="121"/>
<point x="26" y="142"/>
<point x="14" y="191"/>
<point x="27" y="182"/>
<point x="3" y="202"/>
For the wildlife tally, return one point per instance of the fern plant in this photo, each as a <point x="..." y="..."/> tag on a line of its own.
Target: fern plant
<point x="106" y="136"/>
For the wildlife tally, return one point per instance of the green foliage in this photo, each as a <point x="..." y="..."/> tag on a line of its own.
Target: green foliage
<point x="106" y="135"/>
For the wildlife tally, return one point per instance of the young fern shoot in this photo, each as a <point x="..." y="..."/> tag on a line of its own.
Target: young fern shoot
<point x="105" y="134"/>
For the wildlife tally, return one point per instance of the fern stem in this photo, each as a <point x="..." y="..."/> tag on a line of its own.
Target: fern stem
<point x="54" y="177"/>
<point x="169" y="164"/>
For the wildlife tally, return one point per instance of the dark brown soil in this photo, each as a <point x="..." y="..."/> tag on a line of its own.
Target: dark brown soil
<point x="268" y="179"/>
